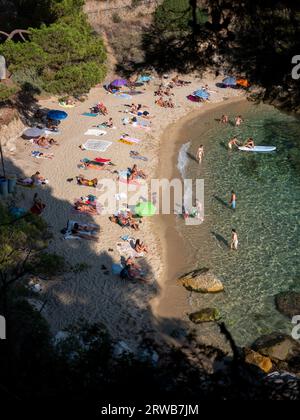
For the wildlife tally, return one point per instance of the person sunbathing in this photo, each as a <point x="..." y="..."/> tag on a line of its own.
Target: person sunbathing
<point x="42" y="142"/>
<point x="170" y="104"/>
<point x="135" y="173"/>
<point x="109" y="123"/>
<point x="86" y="182"/>
<point x="249" y="143"/>
<point x="139" y="247"/>
<point x="160" y="101"/>
<point x="133" y="109"/>
<point x="85" y="208"/>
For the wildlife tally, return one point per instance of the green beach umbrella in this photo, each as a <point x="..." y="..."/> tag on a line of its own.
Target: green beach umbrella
<point x="145" y="209"/>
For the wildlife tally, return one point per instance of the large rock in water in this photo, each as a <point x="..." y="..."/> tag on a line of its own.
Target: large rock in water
<point x="288" y="303"/>
<point x="201" y="281"/>
<point x="205" y="315"/>
<point x="278" y="347"/>
<point x="262" y="362"/>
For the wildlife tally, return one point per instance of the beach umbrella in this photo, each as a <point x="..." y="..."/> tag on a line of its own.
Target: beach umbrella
<point x="145" y="209"/>
<point x="33" y="132"/>
<point x="230" y="81"/>
<point x="57" y="115"/>
<point x="201" y="93"/>
<point x="243" y="82"/>
<point x="119" y="83"/>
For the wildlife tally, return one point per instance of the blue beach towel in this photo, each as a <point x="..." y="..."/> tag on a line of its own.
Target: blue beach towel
<point x="89" y="114"/>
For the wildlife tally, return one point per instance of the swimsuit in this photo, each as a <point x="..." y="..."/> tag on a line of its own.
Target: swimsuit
<point x="233" y="204"/>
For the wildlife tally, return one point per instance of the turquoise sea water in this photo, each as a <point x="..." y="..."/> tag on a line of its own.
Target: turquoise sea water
<point x="267" y="218"/>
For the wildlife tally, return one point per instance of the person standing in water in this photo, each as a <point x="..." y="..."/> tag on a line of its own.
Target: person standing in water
<point x="238" y="120"/>
<point x="233" y="200"/>
<point x="200" y="153"/>
<point x="233" y="142"/>
<point x="234" y="240"/>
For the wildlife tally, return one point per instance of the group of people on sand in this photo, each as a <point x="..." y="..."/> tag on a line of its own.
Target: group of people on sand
<point x="45" y="142"/>
<point x="35" y="179"/>
<point x="164" y="94"/>
<point x="125" y="219"/>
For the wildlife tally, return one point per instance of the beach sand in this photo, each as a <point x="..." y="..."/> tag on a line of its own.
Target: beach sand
<point x="128" y="309"/>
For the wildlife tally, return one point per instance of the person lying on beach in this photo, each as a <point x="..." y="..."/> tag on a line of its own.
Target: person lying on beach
<point x="99" y="108"/>
<point x="39" y="155"/>
<point x="136" y="173"/>
<point x="140" y="247"/>
<point x="249" y="143"/>
<point x="179" y="82"/>
<point x="82" y="230"/>
<point x="124" y="220"/>
<point x="86" y="182"/>
<point x="85" y="208"/>
<point x="233" y="142"/>
<point x="238" y="120"/>
<point x="38" y="206"/>
<point x="107" y="124"/>
<point x="44" y="142"/>
<point x="224" y="119"/>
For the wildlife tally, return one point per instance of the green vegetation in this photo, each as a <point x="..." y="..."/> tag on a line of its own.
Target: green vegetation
<point x="64" y="57"/>
<point x="177" y="15"/>
<point x="7" y="92"/>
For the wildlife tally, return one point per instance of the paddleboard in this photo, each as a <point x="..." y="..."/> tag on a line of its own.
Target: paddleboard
<point x="260" y="149"/>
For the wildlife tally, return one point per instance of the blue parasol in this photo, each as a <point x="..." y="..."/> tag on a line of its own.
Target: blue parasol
<point x="57" y="115"/>
<point x="230" y="81"/>
<point x="201" y="93"/>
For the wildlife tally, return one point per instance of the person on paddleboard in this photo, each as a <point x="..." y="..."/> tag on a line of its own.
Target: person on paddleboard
<point x="250" y="143"/>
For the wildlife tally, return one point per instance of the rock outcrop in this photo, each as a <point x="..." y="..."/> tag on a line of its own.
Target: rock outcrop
<point x="262" y="362"/>
<point x="288" y="303"/>
<point x="205" y="315"/>
<point x="201" y="281"/>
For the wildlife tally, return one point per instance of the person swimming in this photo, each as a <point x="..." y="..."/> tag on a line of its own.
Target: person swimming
<point x="200" y="153"/>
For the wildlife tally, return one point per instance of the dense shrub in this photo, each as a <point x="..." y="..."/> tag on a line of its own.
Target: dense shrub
<point x="7" y="91"/>
<point x="64" y="57"/>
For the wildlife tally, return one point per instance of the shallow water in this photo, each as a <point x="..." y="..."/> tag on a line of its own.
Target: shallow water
<point x="266" y="219"/>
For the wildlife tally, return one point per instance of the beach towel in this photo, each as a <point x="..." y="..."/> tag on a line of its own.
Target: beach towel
<point x="133" y="92"/>
<point x="64" y="105"/>
<point x="141" y="127"/>
<point x="90" y="114"/>
<point x="39" y="155"/>
<point x="97" y="145"/>
<point x="95" y="132"/>
<point x="104" y="126"/>
<point x="130" y="139"/>
<point x="90" y="235"/>
<point x="136" y="155"/>
<point x="125" y="249"/>
<point x="123" y="95"/>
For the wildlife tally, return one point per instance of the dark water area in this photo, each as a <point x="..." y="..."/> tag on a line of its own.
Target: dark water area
<point x="266" y="219"/>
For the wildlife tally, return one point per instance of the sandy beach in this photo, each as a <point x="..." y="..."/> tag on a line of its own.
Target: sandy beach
<point x="128" y="309"/>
